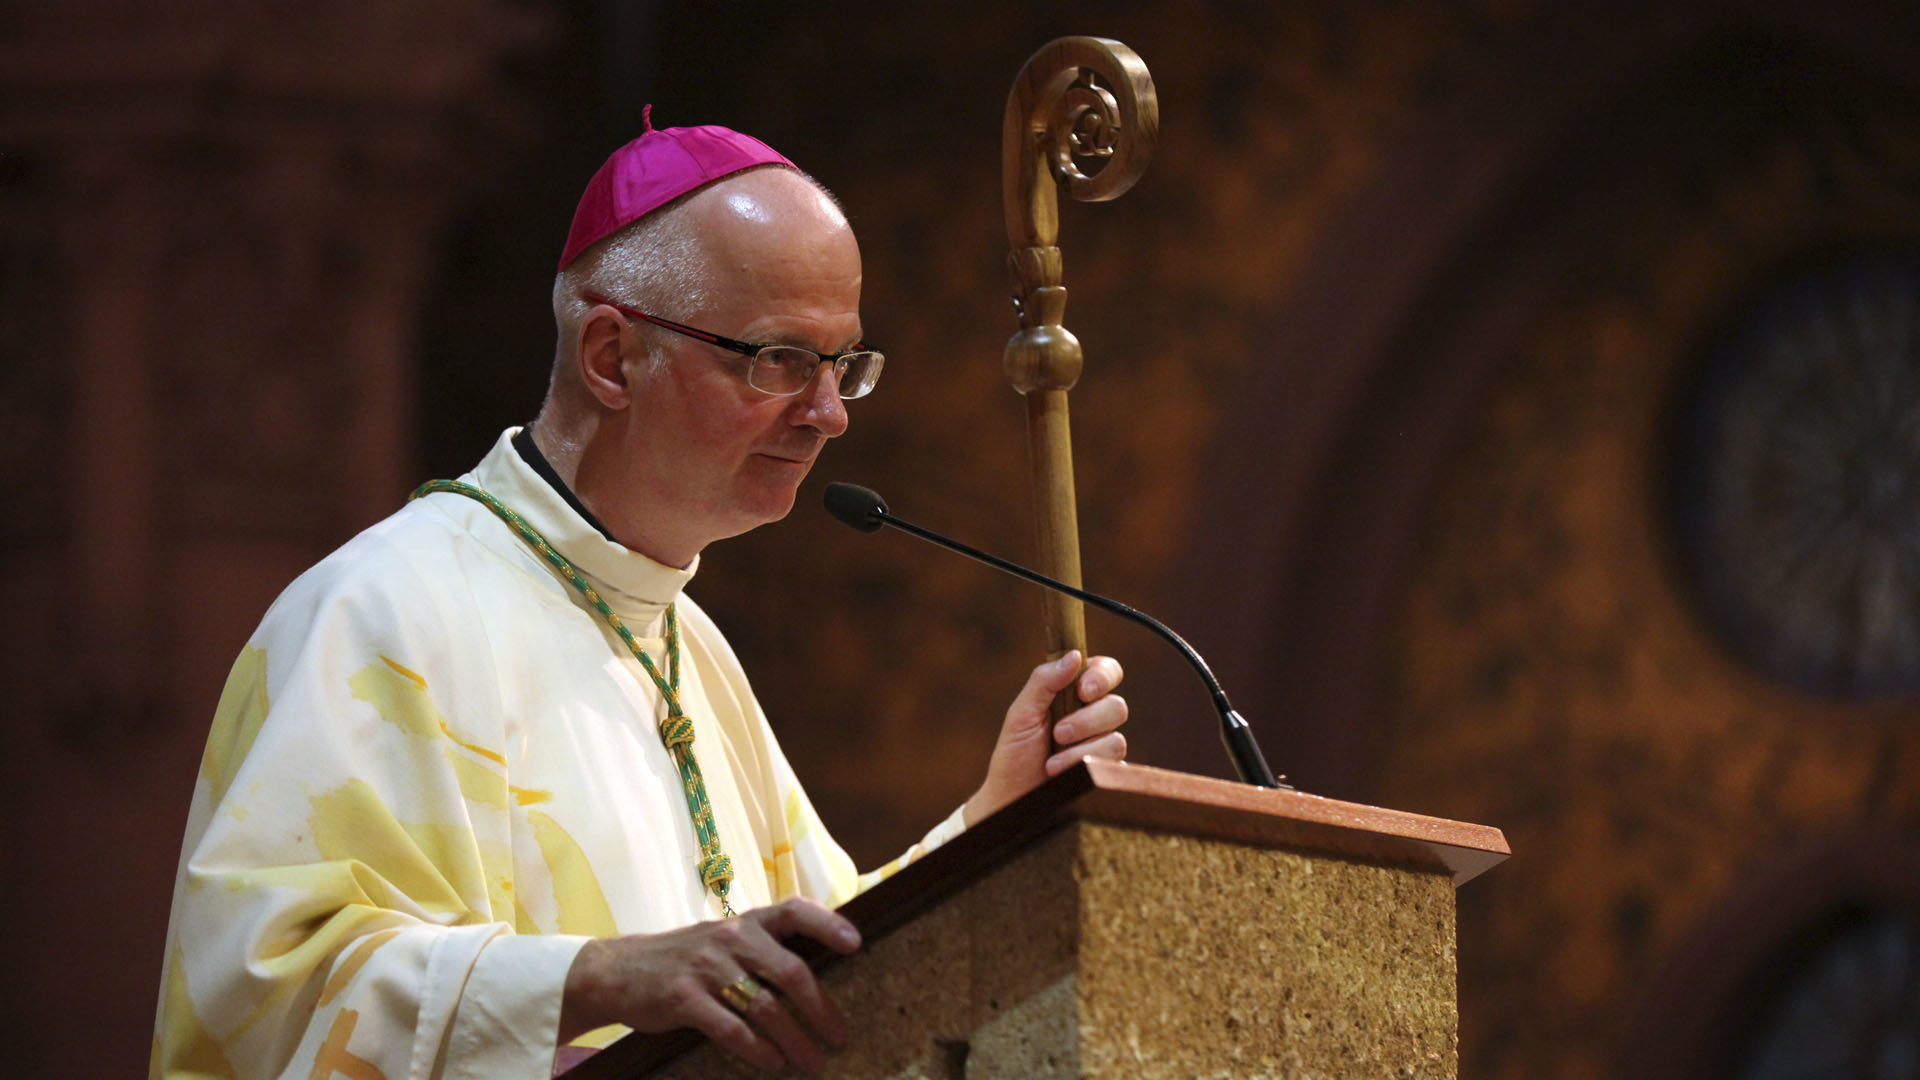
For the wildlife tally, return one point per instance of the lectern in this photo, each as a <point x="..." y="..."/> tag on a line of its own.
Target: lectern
<point x="1129" y="922"/>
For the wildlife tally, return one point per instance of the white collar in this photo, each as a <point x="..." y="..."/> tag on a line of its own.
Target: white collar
<point x="635" y="586"/>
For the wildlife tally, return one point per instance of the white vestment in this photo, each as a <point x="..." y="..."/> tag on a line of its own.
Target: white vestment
<point x="433" y="774"/>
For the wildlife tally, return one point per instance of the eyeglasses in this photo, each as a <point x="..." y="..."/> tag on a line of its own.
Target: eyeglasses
<point x="778" y="370"/>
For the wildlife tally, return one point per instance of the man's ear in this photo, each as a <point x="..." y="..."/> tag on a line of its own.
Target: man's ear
<point x="603" y="368"/>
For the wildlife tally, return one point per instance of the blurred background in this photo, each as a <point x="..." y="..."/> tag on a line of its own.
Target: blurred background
<point x="1517" y="401"/>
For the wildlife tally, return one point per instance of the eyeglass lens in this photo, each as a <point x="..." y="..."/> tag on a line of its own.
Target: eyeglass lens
<point x="786" y="369"/>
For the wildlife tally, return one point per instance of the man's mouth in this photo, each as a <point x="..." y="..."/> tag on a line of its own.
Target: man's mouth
<point x="792" y="457"/>
<point x="784" y="460"/>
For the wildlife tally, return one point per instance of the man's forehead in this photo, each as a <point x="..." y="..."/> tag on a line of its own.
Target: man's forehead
<point x="780" y="263"/>
<point x="815" y="322"/>
<point x="772" y="230"/>
<point x="805" y="341"/>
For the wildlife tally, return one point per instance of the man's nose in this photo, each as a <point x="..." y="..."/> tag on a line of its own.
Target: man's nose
<point x="820" y="406"/>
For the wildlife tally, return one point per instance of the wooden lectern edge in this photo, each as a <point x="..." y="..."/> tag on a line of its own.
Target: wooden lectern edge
<point x="1264" y="817"/>
<point x="1122" y="794"/>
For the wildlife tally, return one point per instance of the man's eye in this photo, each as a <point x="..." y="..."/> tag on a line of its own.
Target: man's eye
<point x="787" y="359"/>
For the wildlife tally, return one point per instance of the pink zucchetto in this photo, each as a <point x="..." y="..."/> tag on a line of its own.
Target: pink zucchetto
<point x="655" y="169"/>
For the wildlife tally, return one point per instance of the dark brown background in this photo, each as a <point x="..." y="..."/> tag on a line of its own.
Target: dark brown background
<point x="1379" y="352"/>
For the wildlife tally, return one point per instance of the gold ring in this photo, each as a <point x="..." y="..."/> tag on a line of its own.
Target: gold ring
<point x="738" y="995"/>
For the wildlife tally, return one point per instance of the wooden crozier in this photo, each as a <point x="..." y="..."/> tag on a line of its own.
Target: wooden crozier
<point x="1081" y="98"/>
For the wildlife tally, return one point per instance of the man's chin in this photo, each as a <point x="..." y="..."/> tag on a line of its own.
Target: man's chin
<point x="767" y="502"/>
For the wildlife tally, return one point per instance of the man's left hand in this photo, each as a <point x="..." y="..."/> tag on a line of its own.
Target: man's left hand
<point x="1025" y="755"/>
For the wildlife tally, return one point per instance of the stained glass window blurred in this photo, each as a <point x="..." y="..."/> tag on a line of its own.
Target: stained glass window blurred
<point x="1795" y="482"/>
<point x="1849" y="1010"/>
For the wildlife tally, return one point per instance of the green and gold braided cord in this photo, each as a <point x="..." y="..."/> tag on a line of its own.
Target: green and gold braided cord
<point x="676" y="728"/>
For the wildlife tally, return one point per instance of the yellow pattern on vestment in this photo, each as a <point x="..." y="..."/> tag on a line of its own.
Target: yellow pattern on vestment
<point x="237" y="720"/>
<point x="583" y="906"/>
<point x="428" y="776"/>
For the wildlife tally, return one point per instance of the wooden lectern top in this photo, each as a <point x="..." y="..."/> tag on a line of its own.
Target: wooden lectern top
<point x="1162" y="800"/>
<point x="1137" y="796"/>
<point x="1140" y="795"/>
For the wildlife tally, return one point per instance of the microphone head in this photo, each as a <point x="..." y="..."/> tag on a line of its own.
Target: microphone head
<point x="854" y="505"/>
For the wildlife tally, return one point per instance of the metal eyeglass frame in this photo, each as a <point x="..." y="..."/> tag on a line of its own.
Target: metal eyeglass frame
<point x="838" y="360"/>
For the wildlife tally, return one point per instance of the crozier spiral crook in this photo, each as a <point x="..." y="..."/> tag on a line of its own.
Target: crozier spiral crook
<point x="1078" y="99"/>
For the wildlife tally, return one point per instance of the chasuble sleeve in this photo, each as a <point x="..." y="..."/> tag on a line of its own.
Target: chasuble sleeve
<point x="346" y="896"/>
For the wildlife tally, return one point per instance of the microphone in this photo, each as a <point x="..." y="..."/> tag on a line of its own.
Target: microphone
<point x="863" y="509"/>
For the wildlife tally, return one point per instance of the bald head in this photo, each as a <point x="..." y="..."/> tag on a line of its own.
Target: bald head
<point x="765" y="225"/>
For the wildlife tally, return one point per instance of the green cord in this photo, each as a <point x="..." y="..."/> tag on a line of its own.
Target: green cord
<point x="676" y="728"/>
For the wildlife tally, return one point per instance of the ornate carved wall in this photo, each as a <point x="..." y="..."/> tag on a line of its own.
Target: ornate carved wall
<point x="1479" y="611"/>
<point x="1554" y="672"/>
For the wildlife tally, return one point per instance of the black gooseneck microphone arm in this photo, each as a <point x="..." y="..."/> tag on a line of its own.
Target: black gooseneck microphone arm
<point x="863" y="509"/>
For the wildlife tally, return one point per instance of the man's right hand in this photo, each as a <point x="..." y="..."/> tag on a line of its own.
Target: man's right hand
<point x="657" y="982"/>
